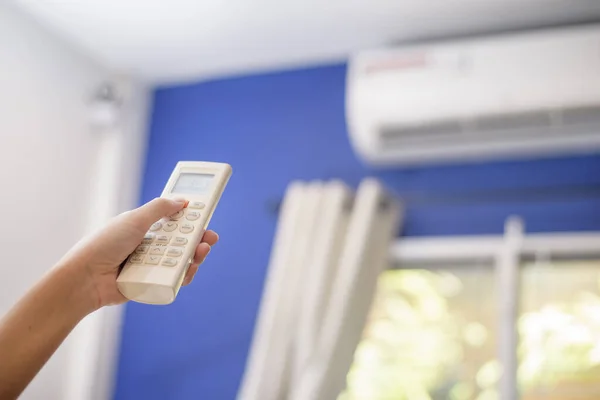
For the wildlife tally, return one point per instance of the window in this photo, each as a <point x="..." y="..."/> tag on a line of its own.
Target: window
<point x="433" y="328"/>
<point x="430" y="335"/>
<point x="559" y="328"/>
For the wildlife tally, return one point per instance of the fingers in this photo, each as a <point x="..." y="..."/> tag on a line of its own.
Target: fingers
<point x="189" y="276"/>
<point x="201" y="252"/>
<point x="209" y="239"/>
<point x="158" y="208"/>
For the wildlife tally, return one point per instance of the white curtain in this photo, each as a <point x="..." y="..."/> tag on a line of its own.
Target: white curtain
<point x="330" y="246"/>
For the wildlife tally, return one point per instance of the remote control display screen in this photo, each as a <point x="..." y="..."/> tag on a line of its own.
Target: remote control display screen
<point x="193" y="183"/>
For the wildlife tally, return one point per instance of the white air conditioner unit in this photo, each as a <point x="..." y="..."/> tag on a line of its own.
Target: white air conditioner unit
<point x="516" y="95"/>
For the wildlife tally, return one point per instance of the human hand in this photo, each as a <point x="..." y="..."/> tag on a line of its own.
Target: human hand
<point x="100" y="255"/>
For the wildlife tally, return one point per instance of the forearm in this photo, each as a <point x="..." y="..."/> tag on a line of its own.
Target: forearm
<point x="32" y="331"/>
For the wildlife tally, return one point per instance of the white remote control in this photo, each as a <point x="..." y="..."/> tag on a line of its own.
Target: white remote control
<point x="154" y="272"/>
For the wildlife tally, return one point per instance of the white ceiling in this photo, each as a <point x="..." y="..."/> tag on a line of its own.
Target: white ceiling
<point x="178" y="40"/>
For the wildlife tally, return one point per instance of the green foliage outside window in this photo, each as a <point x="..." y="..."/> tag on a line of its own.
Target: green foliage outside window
<point x="431" y="335"/>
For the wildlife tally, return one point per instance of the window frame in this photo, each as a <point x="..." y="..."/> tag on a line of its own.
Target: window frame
<point x="504" y="253"/>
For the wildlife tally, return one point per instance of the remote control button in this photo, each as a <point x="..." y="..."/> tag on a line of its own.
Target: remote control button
<point x="157" y="250"/>
<point x="179" y="241"/>
<point x="196" y="204"/>
<point x="169" y="262"/>
<point x="177" y="215"/>
<point x="155" y="226"/>
<point x="170" y="226"/>
<point x="192" y="215"/>
<point x="174" y="252"/>
<point x="186" y="228"/>
<point x="153" y="260"/>
<point x="142" y="249"/>
<point x="136" y="258"/>
<point x="163" y="239"/>
<point x="148" y="238"/>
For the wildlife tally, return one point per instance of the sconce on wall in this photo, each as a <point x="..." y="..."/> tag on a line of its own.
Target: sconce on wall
<point x="105" y="106"/>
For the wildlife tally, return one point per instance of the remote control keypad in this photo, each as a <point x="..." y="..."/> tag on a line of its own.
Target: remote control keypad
<point x="169" y="262"/>
<point x="153" y="260"/>
<point x="192" y="215"/>
<point x="142" y="249"/>
<point x="158" y="248"/>
<point x="163" y="239"/>
<point x="169" y="226"/>
<point x="177" y="215"/>
<point x="179" y="241"/>
<point x="148" y="238"/>
<point x="196" y="204"/>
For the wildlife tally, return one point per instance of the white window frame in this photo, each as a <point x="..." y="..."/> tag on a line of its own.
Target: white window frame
<point x="504" y="252"/>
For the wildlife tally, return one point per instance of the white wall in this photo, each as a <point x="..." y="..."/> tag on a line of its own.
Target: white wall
<point x="49" y="160"/>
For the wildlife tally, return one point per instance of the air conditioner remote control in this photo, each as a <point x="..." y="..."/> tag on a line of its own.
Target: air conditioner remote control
<point x="154" y="272"/>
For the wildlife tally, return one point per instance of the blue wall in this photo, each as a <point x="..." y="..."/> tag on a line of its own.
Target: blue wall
<point x="273" y="128"/>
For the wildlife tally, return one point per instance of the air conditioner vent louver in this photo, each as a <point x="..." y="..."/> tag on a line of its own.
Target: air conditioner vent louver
<point x="581" y="115"/>
<point x="509" y="122"/>
<point x="422" y="132"/>
<point x="531" y="123"/>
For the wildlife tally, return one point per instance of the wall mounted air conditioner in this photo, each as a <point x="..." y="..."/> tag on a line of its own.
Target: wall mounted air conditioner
<point x="527" y="94"/>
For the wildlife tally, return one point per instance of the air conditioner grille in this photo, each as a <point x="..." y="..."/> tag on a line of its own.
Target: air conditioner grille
<point x="502" y="126"/>
<point x="525" y="120"/>
<point x="438" y="129"/>
<point x="581" y="115"/>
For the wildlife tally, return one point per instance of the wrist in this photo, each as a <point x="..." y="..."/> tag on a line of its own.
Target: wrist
<point x="77" y="286"/>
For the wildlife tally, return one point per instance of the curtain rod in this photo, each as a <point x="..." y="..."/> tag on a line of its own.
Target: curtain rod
<point x="529" y="194"/>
